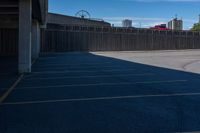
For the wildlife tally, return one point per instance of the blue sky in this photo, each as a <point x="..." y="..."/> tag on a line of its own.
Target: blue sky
<point x="146" y="12"/>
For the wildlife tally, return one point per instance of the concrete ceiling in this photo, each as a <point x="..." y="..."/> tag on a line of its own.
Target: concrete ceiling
<point x="9" y="10"/>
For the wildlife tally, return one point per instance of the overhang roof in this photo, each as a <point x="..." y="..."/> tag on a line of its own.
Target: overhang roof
<point x="40" y="10"/>
<point x="9" y="9"/>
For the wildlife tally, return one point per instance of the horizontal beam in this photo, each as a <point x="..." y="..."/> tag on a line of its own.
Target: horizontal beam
<point x="9" y="5"/>
<point x="9" y="13"/>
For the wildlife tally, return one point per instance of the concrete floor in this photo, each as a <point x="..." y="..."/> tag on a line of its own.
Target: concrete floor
<point x="87" y="93"/>
<point x="184" y="60"/>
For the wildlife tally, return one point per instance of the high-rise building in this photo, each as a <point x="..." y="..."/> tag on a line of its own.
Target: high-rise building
<point x="199" y="18"/>
<point x="175" y="24"/>
<point x="196" y="24"/>
<point x="127" y="23"/>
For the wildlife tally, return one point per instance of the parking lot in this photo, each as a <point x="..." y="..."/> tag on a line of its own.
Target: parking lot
<point x="104" y="92"/>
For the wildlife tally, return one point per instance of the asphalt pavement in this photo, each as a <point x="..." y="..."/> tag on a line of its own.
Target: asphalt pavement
<point x="88" y="93"/>
<point x="8" y="73"/>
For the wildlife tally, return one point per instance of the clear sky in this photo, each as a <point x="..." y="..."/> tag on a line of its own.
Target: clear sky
<point x="146" y="12"/>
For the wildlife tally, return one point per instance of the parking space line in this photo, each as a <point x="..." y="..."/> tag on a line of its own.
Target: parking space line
<point x="101" y="98"/>
<point x="78" y="71"/>
<point x="6" y="94"/>
<point x="85" y="69"/>
<point x="96" y="76"/>
<point x="88" y="67"/>
<point x="103" y="84"/>
<point x="57" y="64"/>
<point x="79" y="66"/>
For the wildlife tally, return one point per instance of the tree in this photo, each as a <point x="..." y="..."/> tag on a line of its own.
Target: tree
<point x="196" y="27"/>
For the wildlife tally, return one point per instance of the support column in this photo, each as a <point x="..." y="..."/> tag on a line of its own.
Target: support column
<point x="35" y="39"/>
<point x="25" y="22"/>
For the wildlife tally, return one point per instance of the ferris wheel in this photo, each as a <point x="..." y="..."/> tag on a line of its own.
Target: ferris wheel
<point x="83" y="14"/>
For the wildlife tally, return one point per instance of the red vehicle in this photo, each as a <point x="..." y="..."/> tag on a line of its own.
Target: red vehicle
<point x="160" y="27"/>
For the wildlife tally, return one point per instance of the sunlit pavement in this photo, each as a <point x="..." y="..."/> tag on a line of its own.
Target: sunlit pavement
<point x="184" y="60"/>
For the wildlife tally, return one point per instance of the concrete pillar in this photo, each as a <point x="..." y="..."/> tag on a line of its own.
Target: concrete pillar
<point x="35" y="39"/>
<point x="25" y="22"/>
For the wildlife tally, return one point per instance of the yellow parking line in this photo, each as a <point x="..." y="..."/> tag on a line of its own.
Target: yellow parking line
<point x="5" y="95"/>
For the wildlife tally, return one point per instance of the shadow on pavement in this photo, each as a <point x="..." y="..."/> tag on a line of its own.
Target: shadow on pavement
<point x="8" y="72"/>
<point x="84" y="75"/>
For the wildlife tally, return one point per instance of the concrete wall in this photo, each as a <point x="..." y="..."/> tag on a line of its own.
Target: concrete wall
<point x="69" y="20"/>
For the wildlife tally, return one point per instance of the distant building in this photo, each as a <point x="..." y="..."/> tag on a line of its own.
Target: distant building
<point x="59" y="21"/>
<point x="196" y="24"/>
<point x="175" y="24"/>
<point x="198" y="21"/>
<point x="127" y="23"/>
<point x="160" y="27"/>
<point x="199" y="18"/>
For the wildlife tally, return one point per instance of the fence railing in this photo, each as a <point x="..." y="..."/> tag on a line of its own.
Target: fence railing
<point x="8" y="42"/>
<point x="77" y="38"/>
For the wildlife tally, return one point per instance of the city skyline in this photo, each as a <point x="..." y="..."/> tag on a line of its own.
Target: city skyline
<point x="146" y="13"/>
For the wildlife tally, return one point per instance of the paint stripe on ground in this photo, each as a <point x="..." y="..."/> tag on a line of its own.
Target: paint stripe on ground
<point x="103" y="84"/>
<point x="78" y="71"/>
<point x="96" y="76"/>
<point x="6" y="94"/>
<point x="101" y="98"/>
